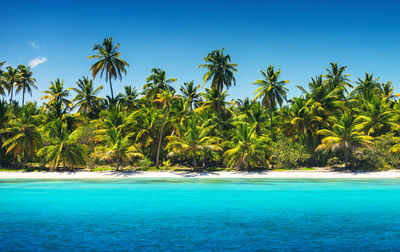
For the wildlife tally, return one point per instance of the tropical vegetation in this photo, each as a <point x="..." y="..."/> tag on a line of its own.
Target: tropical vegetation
<point x="169" y="123"/>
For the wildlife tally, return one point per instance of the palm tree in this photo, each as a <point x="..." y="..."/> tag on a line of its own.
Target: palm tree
<point x="192" y="139"/>
<point x="386" y="89"/>
<point x="257" y="117"/>
<point x="220" y="70"/>
<point x="336" y="78"/>
<point x="345" y="136"/>
<point x="108" y="62"/>
<point x="26" y="81"/>
<point x="1" y="65"/>
<point x="57" y="92"/>
<point x="114" y="117"/>
<point x="165" y="98"/>
<point x="215" y="102"/>
<point x="24" y="136"/>
<point x="63" y="147"/>
<point x="271" y="91"/>
<point x="244" y="106"/>
<point x="116" y="147"/>
<point x="4" y="118"/>
<point x="10" y="79"/>
<point x="4" y="114"/>
<point x="252" y="113"/>
<point x="130" y="97"/>
<point x="109" y="102"/>
<point x="178" y="112"/>
<point x="376" y="116"/>
<point x="86" y="100"/>
<point x="246" y="149"/>
<point x="321" y="99"/>
<point x="57" y="98"/>
<point x="304" y="121"/>
<point x="368" y="87"/>
<point x="1" y="74"/>
<point x="157" y="83"/>
<point x="56" y="110"/>
<point x="146" y="123"/>
<point x="189" y="93"/>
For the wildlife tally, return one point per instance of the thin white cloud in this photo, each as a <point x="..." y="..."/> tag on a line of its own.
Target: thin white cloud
<point x="37" y="61"/>
<point x="34" y="44"/>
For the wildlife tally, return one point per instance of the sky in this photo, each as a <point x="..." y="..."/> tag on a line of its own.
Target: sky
<point x="299" y="37"/>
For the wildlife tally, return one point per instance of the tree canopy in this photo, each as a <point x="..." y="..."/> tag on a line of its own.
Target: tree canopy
<point x="335" y="121"/>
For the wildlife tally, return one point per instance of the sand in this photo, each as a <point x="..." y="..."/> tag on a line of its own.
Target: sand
<point x="393" y="174"/>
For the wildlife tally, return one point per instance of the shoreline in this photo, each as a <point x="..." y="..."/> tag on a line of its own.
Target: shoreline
<point x="392" y="174"/>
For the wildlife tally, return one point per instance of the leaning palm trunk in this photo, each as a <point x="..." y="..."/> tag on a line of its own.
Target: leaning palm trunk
<point x="161" y="135"/>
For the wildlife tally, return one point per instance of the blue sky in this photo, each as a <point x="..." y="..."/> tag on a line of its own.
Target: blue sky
<point x="300" y="37"/>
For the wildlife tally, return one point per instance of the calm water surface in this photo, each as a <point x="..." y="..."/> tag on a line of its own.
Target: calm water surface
<point x="200" y="214"/>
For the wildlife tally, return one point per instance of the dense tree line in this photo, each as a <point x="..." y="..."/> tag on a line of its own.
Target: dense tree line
<point x="335" y="120"/>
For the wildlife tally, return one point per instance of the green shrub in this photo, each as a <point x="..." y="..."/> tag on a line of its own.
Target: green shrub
<point x="333" y="161"/>
<point x="167" y="164"/>
<point x="145" y="163"/>
<point x="378" y="156"/>
<point x="287" y="154"/>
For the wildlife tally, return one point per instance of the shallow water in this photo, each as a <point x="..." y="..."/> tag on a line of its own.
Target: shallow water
<point x="200" y="214"/>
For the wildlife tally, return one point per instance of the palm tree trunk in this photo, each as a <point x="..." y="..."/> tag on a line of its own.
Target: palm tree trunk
<point x="161" y="135"/>
<point x="272" y="123"/>
<point x="23" y="96"/>
<point x="308" y="140"/>
<point x="25" y="158"/>
<point x="12" y="92"/>
<point x="237" y="168"/>
<point x="219" y="110"/>
<point x="272" y="127"/>
<point x="270" y="115"/>
<point x="346" y="157"/>
<point x="219" y="90"/>
<point x="194" y="160"/>
<point x="112" y="93"/>
<point x="118" y="164"/>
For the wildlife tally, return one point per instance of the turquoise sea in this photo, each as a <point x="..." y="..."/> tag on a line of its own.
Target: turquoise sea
<point x="200" y="215"/>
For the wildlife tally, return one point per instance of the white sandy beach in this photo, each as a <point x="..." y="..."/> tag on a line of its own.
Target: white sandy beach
<point x="393" y="174"/>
